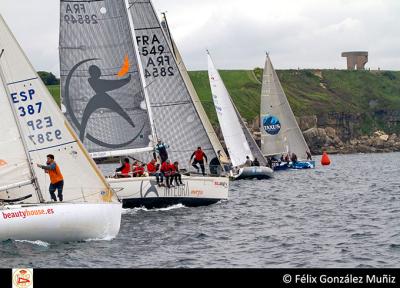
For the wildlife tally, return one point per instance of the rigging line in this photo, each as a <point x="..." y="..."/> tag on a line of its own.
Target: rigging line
<point x="2" y="51"/>
<point x="16" y="200"/>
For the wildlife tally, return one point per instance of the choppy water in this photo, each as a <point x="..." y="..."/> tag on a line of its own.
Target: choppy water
<point x="344" y="215"/>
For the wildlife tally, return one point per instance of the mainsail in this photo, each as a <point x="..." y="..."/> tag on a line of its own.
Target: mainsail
<point x="101" y="85"/>
<point x="235" y="139"/>
<point x="42" y="130"/>
<point x="176" y="119"/>
<point x="195" y="98"/>
<point x="280" y="132"/>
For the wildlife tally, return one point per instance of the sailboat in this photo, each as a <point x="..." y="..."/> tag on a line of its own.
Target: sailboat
<point x="237" y="137"/>
<point x="280" y="133"/>
<point x="32" y="127"/>
<point x="125" y="57"/>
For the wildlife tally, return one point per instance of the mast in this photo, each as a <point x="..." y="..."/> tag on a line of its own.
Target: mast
<point x="30" y="163"/>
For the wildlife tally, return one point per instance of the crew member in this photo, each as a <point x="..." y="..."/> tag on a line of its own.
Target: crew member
<point x="56" y="178"/>
<point x="199" y="157"/>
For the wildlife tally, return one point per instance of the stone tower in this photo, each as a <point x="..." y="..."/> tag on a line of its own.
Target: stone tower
<point x="356" y="59"/>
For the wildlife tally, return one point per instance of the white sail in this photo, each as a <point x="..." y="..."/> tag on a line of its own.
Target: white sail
<point x="195" y="98"/>
<point x="280" y="132"/>
<point x="44" y="129"/>
<point x="15" y="171"/>
<point x="235" y="140"/>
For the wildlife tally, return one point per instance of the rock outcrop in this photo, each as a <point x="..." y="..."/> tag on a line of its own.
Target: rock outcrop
<point x="320" y="139"/>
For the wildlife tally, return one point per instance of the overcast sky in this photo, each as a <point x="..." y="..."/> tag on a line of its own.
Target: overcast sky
<point x="297" y="33"/>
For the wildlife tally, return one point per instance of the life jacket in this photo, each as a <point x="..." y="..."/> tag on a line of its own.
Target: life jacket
<point x="55" y="175"/>
<point x="151" y="168"/>
<point x="172" y="167"/>
<point x="139" y="170"/>
<point x="165" y="167"/>
<point x="126" y="169"/>
<point x="198" y="155"/>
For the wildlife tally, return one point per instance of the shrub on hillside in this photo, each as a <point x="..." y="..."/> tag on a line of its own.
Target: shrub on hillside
<point x="389" y="74"/>
<point x="48" y="78"/>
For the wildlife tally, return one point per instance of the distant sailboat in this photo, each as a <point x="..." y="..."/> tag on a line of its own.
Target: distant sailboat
<point x="151" y="99"/>
<point x="280" y="133"/>
<point x="234" y="131"/>
<point x="32" y="127"/>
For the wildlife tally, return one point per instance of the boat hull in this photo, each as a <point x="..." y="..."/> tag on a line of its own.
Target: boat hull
<point x="144" y="192"/>
<point x="65" y="222"/>
<point x="258" y="172"/>
<point x="298" y="165"/>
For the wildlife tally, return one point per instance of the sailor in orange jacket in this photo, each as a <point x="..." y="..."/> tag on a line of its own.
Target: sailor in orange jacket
<point x="56" y="178"/>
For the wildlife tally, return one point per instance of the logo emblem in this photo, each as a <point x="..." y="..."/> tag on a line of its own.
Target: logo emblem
<point x="100" y="100"/>
<point x="22" y="278"/>
<point x="271" y="124"/>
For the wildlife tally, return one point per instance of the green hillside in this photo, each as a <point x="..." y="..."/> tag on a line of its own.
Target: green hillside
<point x="310" y="92"/>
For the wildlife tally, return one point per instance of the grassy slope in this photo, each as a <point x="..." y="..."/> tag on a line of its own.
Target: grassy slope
<point x="308" y="94"/>
<point x="55" y="91"/>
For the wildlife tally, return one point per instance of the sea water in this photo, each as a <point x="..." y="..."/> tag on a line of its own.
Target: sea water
<point x="343" y="215"/>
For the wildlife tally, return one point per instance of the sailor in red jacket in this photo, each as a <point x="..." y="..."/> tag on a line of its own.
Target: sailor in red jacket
<point x="152" y="168"/>
<point x="139" y="170"/>
<point x="166" y="171"/>
<point x="124" y="169"/>
<point x="199" y="157"/>
<point x="173" y="170"/>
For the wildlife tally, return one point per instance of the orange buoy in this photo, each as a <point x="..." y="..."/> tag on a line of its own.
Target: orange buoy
<point x="325" y="159"/>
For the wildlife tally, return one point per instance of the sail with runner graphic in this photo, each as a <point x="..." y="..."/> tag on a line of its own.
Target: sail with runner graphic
<point x="101" y="86"/>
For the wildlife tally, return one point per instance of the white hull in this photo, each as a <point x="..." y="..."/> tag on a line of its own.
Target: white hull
<point x="196" y="191"/>
<point x="259" y="172"/>
<point x="52" y="222"/>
